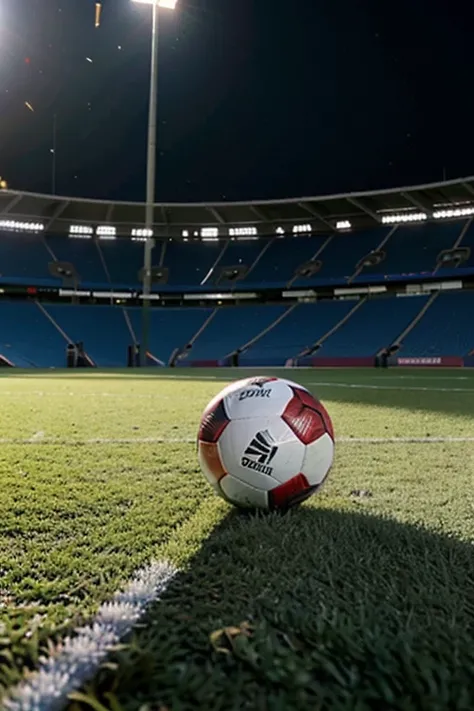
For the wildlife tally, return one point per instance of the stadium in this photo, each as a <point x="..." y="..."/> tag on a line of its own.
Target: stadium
<point x="236" y="436"/>
<point x="337" y="281"/>
<point x="125" y="582"/>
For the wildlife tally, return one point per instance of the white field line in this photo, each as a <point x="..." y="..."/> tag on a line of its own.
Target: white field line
<point x="120" y="396"/>
<point x="77" y="658"/>
<point x="395" y="376"/>
<point x="365" y="386"/>
<point x="320" y="383"/>
<point x="69" y="442"/>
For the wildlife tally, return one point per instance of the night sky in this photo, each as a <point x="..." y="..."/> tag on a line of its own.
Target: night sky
<point x="257" y="98"/>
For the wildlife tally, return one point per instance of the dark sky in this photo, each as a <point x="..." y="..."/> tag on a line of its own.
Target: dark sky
<point x="257" y="98"/>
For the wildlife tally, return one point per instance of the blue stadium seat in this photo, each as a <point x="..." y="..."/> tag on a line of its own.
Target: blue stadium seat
<point x="468" y="241"/>
<point x="189" y="262"/>
<point x="83" y="254"/>
<point x="300" y="329"/>
<point x="231" y="328"/>
<point x="415" y="249"/>
<point x="24" y="258"/>
<point x="243" y="252"/>
<point x="446" y="329"/>
<point x="170" y="328"/>
<point x="343" y="252"/>
<point x="375" y="325"/>
<point x="279" y="263"/>
<point x="124" y="259"/>
<point x="103" y="330"/>
<point x="28" y="338"/>
<point x="411" y="250"/>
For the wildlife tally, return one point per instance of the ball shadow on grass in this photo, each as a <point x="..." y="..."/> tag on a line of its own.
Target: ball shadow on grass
<point x="316" y="609"/>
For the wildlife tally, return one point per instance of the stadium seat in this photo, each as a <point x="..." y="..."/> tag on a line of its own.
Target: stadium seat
<point x="280" y="261"/>
<point x="24" y="259"/>
<point x="170" y="328"/>
<point x="241" y="251"/>
<point x="83" y="254"/>
<point x="411" y="250"/>
<point x="102" y="329"/>
<point x="342" y="254"/>
<point x="28" y="338"/>
<point x="231" y="328"/>
<point x="468" y="241"/>
<point x="189" y="262"/>
<point x="299" y="330"/>
<point x="375" y="325"/>
<point x="415" y="249"/>
<point x="446" y="329"/>
<point x="124" y="259"/>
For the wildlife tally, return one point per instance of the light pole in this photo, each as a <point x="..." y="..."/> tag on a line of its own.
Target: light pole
<point x="150" y="171"/>
<point x="53" y="151"/>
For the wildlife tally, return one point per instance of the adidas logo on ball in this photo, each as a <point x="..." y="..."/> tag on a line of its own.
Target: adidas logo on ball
<point x="260" y="453"/>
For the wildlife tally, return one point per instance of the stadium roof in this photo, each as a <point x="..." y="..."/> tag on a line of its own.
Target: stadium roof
<point x="263" y="217"/>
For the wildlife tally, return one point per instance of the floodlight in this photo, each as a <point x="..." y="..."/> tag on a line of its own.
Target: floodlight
<point x="169" y="4"/>
<point x="343" y="225"/>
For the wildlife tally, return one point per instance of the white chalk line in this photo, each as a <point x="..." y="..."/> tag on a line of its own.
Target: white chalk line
<point x="76" y="659"/>
<point x="119" y="396"/>
<point x="71" y="442"/>
<point x="317" y="383"/>
<point x="441" y="376"/>
<point x="366" y="386"/>
<point x="39" y="439"/>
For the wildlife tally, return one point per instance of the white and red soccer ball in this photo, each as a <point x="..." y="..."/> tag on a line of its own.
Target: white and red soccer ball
<point x="265" y="443"/>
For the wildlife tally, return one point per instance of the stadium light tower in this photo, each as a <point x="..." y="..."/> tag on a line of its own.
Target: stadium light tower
<point x="151" y="169"/>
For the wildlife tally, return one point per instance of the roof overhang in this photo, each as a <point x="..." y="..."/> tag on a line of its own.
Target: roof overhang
<point x="267" y="217"/>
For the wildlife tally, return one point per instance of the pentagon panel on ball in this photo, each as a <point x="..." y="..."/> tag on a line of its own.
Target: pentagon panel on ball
<point x="265" y="443"/>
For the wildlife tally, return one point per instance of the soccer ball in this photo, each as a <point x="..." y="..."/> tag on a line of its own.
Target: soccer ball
<point x="265" y="443"/>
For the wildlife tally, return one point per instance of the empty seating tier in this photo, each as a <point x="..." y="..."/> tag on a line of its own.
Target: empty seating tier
<point x="446" y="329"/>
<point x="372" y="327"/>
<point x="231" y="328"/>
<point x="272" y="261"/>
<point x="28" y="338"/>
<point x="303" y="326"/>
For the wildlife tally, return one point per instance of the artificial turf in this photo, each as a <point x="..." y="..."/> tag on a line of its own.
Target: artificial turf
<point x="350" y="602"/>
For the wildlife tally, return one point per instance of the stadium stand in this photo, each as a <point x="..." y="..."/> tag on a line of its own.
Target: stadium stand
<point x="446" y="329"/>
<point x="342" y="253"/>
<point x="468" y="241"/>
<point x="28" y="338"/>
<point x="243" y="251"/>
<point x="123" y="260"/>
<point x="298" y="331"/>
<point x="83" y="254"/>
<point x="23" y="257"/>
<point x="170" y="328"/>
<point x="372" y="327"/>
<point x="231" y="328"/>
<point x="102" y="329"/>
<point x="107" y="331"/>
<point x="378" y="242"/>
<point x="416" y="249"/>
<point x="409" y="250"/>
<point x="189" y="262"/>
<point x="279" y="263"/>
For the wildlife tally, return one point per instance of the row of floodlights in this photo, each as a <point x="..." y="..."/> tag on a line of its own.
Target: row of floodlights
<point x="456" y="212"/>
<point x="205" y="233"/>
<point x="446" y="214"/>
<point x="212" y="234"/>
<point x="404" y="217"/>
<point x="14" y="225"/>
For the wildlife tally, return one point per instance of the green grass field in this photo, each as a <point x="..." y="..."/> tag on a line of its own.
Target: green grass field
<point x="348" y="603"/>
